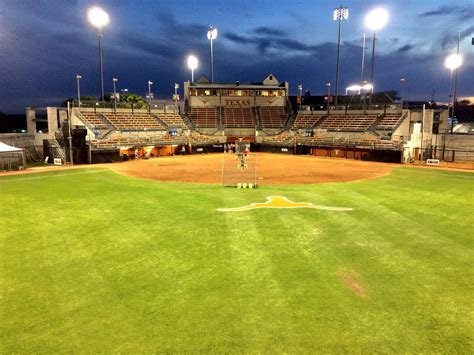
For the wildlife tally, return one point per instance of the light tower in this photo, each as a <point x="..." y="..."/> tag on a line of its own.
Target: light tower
<point x="212" y="35"/>
<point x="452" y="62"/>
<point x="99" y="18"/>
<point x="114" y="82"/>
<point x="150" y="83"/>
<point x="375" y="20"/>
<point x="78" y="79"/>
<point x="339" y="14"/>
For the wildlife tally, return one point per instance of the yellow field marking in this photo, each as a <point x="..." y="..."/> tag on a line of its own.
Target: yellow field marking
<point x="282" y="202"/>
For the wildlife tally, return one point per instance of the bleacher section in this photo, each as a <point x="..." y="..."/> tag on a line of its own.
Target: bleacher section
<point x="137" y="121"/>
<point x="173" y="120"/>
<point x="333" y="139"/>
<point x="238" y="117"/>
<point x="347" y="122"/>
<point x="307" y="119"/>
<point x="272" y="117"/>
<point x="93" y="120"/>
<point x="206" y="117"/>
<point x="155" y="138"/>
<point x="389" y="121"/>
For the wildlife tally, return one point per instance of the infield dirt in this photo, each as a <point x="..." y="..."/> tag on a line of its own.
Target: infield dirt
<point x="271" y="169"/>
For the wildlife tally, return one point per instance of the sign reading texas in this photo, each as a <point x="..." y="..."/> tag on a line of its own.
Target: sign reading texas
<point x="282" y="202"/>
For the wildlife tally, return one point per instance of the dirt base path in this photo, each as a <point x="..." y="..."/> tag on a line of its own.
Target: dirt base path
<point x="271" y="169"/>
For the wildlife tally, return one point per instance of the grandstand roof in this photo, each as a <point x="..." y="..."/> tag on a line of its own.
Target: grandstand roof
<point x="270" y="82"/>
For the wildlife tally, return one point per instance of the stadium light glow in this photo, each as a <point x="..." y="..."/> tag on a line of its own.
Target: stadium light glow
<point x="453" y="61"/>
<point x="192" y="64"/>
<point x="97" y="17"/>
<point x="212" y="35"/>
<point x="376" y="19"/>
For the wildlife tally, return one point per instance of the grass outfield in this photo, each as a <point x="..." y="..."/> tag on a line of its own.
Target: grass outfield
<point x="92" y="261"/>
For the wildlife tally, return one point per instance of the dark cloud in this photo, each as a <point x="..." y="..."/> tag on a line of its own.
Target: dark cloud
<point x="449" y="39"/>
<point x="280" y="43"/>
<point x="462" y="12"/>
<point x="268" y="31"/>
<point x="404" y="49"/>
<point x="235" y="38"/>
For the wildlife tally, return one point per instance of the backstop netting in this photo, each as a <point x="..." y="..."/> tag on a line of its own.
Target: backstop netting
<point x="239" y="169"/>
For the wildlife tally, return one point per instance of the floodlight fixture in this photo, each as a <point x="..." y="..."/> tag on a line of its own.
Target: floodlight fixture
<point x="98" y="17"/>
<point x="340" y="13"/>
<point x="212" y="33"/>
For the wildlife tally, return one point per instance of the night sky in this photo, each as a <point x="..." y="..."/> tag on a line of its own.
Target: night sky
<point x="45" y="43"/>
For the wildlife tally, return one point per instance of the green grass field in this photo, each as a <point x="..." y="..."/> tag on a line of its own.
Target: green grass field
<point x="92" y="261"/>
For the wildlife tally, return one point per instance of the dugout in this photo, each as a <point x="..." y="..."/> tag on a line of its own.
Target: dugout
<point x="212" y="148"/>
<point x="358" y="153"/>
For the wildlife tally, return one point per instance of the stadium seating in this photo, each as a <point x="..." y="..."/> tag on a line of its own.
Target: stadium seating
<point x="307" y="119"/>
<point x="139" y="121"/>
<point x="93" y="120"/>
<point x="389" y="121"/>
<point x="347" y="122"/>
<point x="206" y="117"/>
<point x="173" y="120"/>
<point x="272" y="116"/>
<point x="238" y="117"/>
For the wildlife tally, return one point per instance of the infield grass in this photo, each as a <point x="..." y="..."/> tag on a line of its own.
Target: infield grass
<point x="91" y="261"/>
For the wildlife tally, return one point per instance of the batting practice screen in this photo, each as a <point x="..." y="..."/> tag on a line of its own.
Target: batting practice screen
<point x="239" y="169"/>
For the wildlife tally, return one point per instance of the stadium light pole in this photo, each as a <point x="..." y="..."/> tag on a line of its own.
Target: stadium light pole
<point x="452" y="62"/>
<point x="363" y="61"/>
<point x="329" y="94"/>
<point x="402" y="84"/>
<point x="176" y="87"/>
<point x="300" y="88"/>
<point x="375" y="20"/>
<point x="339" y="14"/>
<point x="114" y="82"/>
<point x="212" y="35"/>
<point x="192" y="64"/>
<point x="78" y="79"/>
<point x="99" y="18"/>
<point x="150" y="83"/>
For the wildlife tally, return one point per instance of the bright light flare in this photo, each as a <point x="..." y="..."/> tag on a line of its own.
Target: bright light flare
<point x="453" y="61"/>
<point x="376" y="19"/>
<point x="192" y="62"/>
<point x="97" y="17"/>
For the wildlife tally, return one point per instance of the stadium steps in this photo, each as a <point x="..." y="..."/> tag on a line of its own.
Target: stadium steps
<point x="319" y="122"/>
<point x="374" y="125"/>
<point x="107" y="121"/>
<point x="290" y="121"/>
<point x="159" y="120"/>
<point x="258" y="123"/>
<point x="221" y="118"/>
